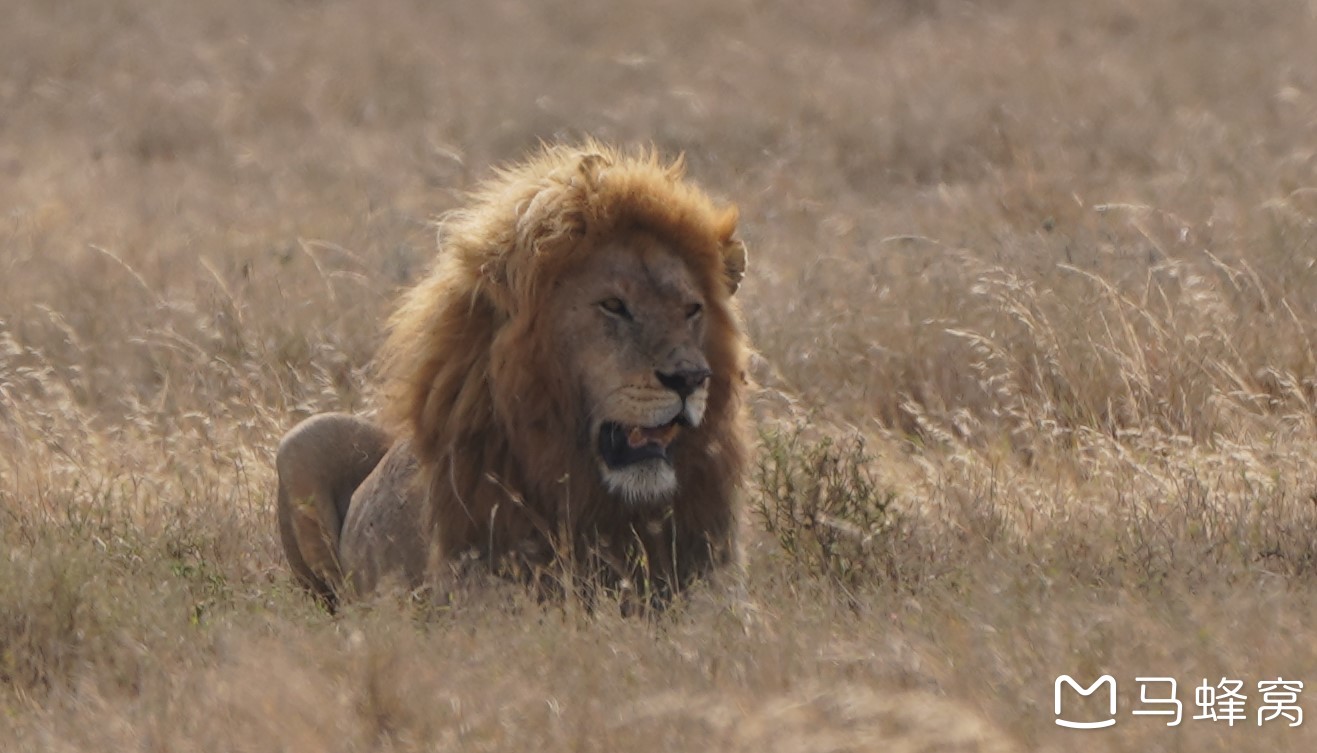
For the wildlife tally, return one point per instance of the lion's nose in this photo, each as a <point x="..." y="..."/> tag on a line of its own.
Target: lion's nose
<point x="684" y="381"/>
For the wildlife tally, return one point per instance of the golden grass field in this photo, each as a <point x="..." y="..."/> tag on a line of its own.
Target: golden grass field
<point x="1033" y="285"/>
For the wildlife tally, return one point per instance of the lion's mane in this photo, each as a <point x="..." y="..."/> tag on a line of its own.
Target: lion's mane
<point x="469" y="376"/>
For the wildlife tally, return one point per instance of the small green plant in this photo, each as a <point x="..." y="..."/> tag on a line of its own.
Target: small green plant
<point x="819" y="499"/>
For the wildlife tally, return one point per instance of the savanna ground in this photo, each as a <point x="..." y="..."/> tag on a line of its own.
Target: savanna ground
<point x="1033" y="284"/>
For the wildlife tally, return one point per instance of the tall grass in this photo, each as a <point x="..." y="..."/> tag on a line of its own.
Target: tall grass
<point x="1033" y="293"/>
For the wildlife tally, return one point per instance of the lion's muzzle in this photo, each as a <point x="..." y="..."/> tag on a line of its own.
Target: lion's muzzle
<point x="636" y="458"/>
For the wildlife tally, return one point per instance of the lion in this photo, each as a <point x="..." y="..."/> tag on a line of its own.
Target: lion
<point x="565" y="385"/>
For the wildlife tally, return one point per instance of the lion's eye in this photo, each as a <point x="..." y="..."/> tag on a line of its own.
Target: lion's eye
<point x="616" y="307"/>
<point x="694" y="310"/>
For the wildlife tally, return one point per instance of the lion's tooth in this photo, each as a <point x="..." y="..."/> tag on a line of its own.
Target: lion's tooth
<point x="665" y="434"/>
<point x="635" y="436"/>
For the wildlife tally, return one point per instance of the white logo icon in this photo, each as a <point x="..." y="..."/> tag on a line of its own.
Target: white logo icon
<point x="1108" y="680"/>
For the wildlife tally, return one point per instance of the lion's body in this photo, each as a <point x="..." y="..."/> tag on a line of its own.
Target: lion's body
<point x="565" y="383"/>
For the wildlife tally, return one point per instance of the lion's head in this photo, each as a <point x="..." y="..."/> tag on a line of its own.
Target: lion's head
<point x="574" y="362"/>
<point x="632" y="330"/>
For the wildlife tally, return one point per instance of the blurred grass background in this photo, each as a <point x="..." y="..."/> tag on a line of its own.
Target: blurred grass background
<point x="1032" y="284"/>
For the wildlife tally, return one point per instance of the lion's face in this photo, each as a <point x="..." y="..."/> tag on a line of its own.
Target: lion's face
<point x="632" y="330"/>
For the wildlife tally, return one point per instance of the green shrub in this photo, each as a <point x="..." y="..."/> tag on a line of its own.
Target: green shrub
<point x="819" y="499"/>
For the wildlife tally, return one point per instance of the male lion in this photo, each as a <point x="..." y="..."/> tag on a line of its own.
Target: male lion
<point x="564" y="386"/>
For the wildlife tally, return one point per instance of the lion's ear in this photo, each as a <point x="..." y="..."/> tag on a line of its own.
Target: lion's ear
<point x="734" y="263"/>
<point x="556" y="212"/>
<point x="591" y="168"/>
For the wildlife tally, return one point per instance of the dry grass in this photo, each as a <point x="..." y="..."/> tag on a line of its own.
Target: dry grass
<point x="1033" y="283"/>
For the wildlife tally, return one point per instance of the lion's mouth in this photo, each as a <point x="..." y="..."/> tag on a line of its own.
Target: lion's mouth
<point x="621" y="445"/>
